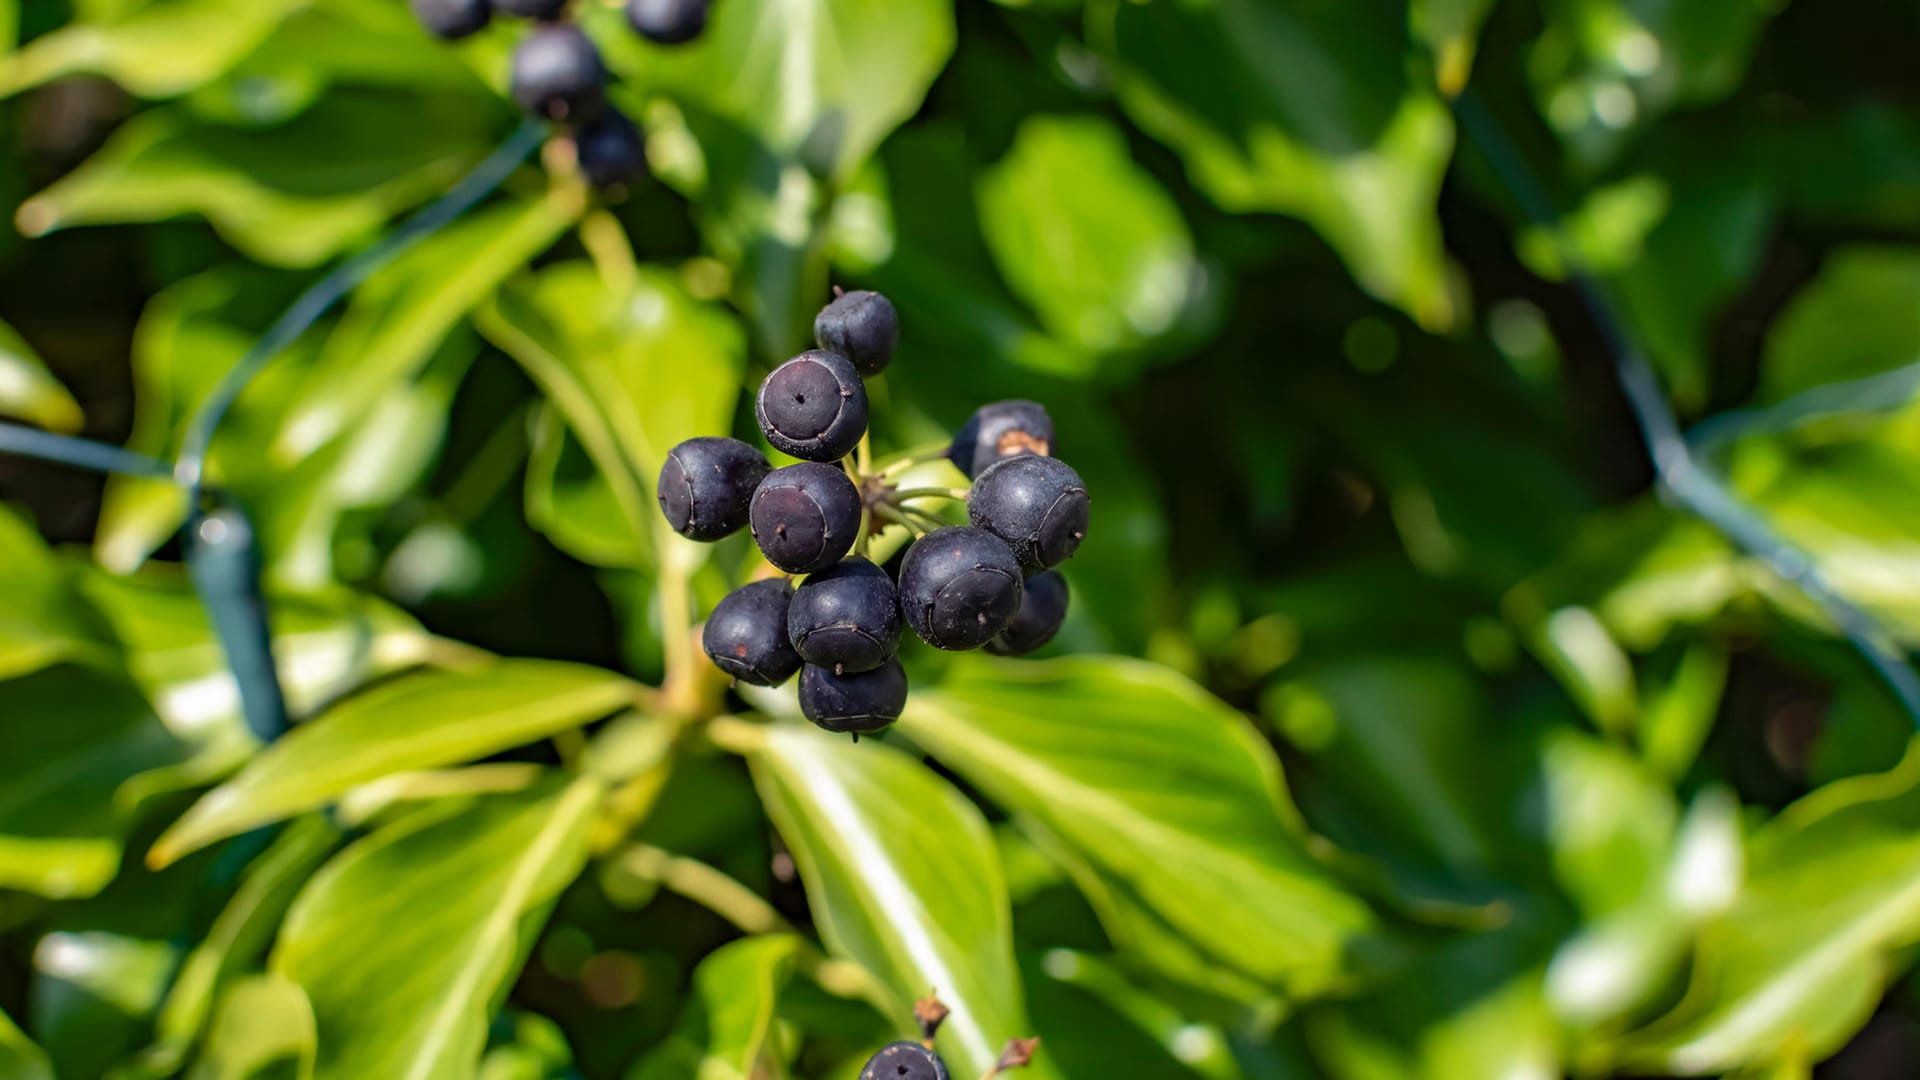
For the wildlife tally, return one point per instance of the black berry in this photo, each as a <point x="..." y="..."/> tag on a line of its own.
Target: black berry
<point x="904" y="1061"/>
<point x="1042" y="609"/>
<point x="707" y="485"/>
<point x="861" y="326"/>
<point x="611" y="151"/>
<point x="859" y="702"/>
<point x="453" y="19"/>
<point x="1001" y="430"/>
<point x="557" y="74"/>
<point x="668" y="22"/>
<point x="805" y="517"/>
<point x="1038" y="505"/>
<point x="846" y="617"/>
<point x="544" y="10"/>
<point x="747" y="634"/>
<point x="959" y="587"/>
<point x="814" y="406"/>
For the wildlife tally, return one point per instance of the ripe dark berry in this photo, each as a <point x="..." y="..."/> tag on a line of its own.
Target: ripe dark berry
<point x="846" y="617"/>
<point x="611" y="151"/>
<point x="861" y="326"/>
<point x="904" y="1061"/>
<point x="747" y="634"/>
<point x="1042" y="610"/>
<point x="805" y="517"/>
<point x="668" y="22"/>
<point x="814" y="406"/>
<point x="1038" y="505"/>
<point x="453" y="19"/>
<point x="1001" y="430"/>
<point x="959" y="587"/>
<point x="855" y="701"/>
<point x="557" y="74"/>
<point x="544" y="10"/>
<point x="707" y="485"/>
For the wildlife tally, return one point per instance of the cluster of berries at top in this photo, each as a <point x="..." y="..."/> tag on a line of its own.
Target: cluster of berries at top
<point x="986" y="584"/>
<point x="558" y="74"/>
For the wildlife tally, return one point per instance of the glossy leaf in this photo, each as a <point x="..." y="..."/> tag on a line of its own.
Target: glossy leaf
<point x="400" y="316"/>
<point x="258" y="188"/>
<point x="633" y="370"/>
<point x="487" y="872"/>
<point x="1163" y="788"/>
<point x="155" y="51"/>
<point x="728" y="1023"/>
<point x="902" y="878"/>
<point x="62" y="809"/>
<point x="263" y="1029"/>
<point x="1800" y="959"/>
<point x="28" y="391"/>
<point x="1086" y="237"/>
<point x="1301" y="110"/>
<point x="419" y="722"/>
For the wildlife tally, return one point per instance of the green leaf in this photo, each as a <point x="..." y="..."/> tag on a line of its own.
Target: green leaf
<point x="264" y="1030"/>
<point x="28" y="391"/>
<point x="469" y="886"/>
<point x="1451" y="29"/>
<point x="1860" y="317"/>
<point x="74" y="739"/>
<point x="265" y="190"/>
<point x="418" y="722"/>
<point x="902" y="877"/>
<point x="1799" y="961"/>
<point x="401" y="315"/>
<point x="728" y="1024"/>
<point x="155" y="51"/>
<point x="820" y="82"/>
<point x="42" y="620"/>
<point x="236" y="940"/>
<point x="1301" y="109"/>
<point x="91" y="995"/>
<point x="19" y="1058"/>
<point x="1167" y="792"/>
<point x="1086" y="237"/>
<point x="634" y="371"/>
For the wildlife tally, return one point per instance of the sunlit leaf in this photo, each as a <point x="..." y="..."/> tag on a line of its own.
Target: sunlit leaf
<point x="1860" y="317"/>
<point x="154" y="51"/>
<point x="262" y="189"/>
<point x="28" y="391"/>
<point x="1166" y="791"/>
<point x="901" y="876"/>
<point x="419" y="722"/>
<point x="91" y="993"/>
<point x="728" y="1022"/>
<point x="43" y="620"/>
<point x="263" y="1029"/>
<point x="19" y="1058"/>
<point x="465" y="887"/>
<point x="1306" y="111"/>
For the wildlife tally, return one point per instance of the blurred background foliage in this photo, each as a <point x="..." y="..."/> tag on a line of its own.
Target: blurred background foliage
<point x="1572" y="785"/>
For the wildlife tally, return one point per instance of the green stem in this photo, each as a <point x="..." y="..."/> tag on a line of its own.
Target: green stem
<point x="955" y="494"/>
<point x="913" y="459"/>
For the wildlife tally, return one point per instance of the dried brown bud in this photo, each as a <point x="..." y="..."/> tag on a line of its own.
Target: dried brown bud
<point x="930" y="1014"/>
<point x="1018" y="1054"/>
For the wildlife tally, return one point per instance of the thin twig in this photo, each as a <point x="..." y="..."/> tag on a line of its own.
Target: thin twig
<point x="1690" y="480"/>
<point x="79" y="453"/>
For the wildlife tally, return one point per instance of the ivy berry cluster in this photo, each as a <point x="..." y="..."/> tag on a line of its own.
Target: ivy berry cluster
<point x="558" y="74"/>
<point x="988" y="584"/>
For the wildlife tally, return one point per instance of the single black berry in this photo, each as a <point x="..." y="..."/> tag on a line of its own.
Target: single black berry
<point x="610" y="151"/>
<point x="1001" y="430"/>
<point x="814" y="406"/>
<point x="805" y="517"/>
<point x="544" y="10"/>
<point x="707" y="485"/>
<point x="668" y="22"/>
<point x="453" y="19"/>
<point x="846" y="617"/>
<point x="904" y="1061"/>
<point x="856" y="701"/>
<point x="1042" y="609"/>
<point x="557" y="74"/>
<point x="861" y="326"/>
<point x="1038" y="505"/>
<point x="747" y="634"/>
<point x="959" y="587"/>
